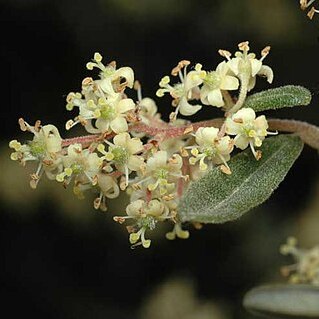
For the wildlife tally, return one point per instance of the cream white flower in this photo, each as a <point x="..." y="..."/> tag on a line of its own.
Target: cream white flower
<point x="110" y="114"/>
<point x="148" y="109"/>
<point x="184" y="91"/>
<point x="215" y="82"/>
<point x="45" y="148"/>
<point x="122" y="153"/>
<point x="161" y="172"/>
<point x="248" y="129"/>
<point x="103" y="107"/>
<point x="146" y="106"/>
<point x="211" y="147"/>
<point x="109" y="188"/>
<point x="80" y="163"/>
<point x="110" y="76"/>
<point x="146" y="215"/>
<point x="245" y="65"/>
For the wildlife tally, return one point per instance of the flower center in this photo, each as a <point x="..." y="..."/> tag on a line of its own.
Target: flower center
<point x="108" y="71"/>
<point x="178" y="91"/>
<point x="209" y="151"/>
<point x="37" y="148"/>
<point x="120" y="154"/>
<point x="77" y="168"/>
<point x="249" y="130"/>
<point x="147" y="222"/>
<point x="161" y="173"/>
<point x="213" y="80"/>
<point x="107" y="112"/>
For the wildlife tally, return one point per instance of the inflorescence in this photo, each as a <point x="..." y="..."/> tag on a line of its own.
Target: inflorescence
<point x="131" y="149"/>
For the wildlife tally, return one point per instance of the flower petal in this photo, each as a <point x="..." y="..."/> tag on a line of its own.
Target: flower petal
<point x="215" y="98"/>
<point x="135" y="145"/>
<point x="127" y="73"/>
<point x="119" y="125"/>
<point x="246" y="114"/>
<point x="233" y="65"/>
<point x="222" y="68"/>
<point x="241" y="142"/>
<point x="203" y="94"/>
<point x="232" y="127"/>
<point x="188" y="109"/>
<point x="125" y="105"/>
<point x="255" y="66"/>
<point x="135" y="162"/>
<point x="266" y="71"/>
<point x="229" y="83"/>
<point x="121" y="139"/>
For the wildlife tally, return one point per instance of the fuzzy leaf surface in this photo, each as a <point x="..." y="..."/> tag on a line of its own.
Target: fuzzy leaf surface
<point x="218" y="198"/>
<point x="284" y="96"/>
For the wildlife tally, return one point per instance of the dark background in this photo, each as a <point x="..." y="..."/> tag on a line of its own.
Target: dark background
<point x="62" y="259"/>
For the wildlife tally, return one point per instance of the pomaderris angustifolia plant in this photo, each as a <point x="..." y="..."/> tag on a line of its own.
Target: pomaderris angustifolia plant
<point x="178" y="171"/>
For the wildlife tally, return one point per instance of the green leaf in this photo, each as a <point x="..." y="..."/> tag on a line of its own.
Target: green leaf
<point x="284" y="96"/>
<point x="218" y="198"/>
<point x="284" y="301"/>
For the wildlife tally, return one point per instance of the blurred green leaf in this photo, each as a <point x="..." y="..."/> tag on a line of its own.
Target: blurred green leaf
<point x="218" y="198"/>
<point x="284" y="96"/>
<point x="284" y="301"/>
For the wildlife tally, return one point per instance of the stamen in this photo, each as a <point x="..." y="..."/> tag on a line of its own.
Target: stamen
<point x="244" y="46"/>
<point x="179" y="66"/>
<point x="312" y="12"/>
<point x="224" y="53"/>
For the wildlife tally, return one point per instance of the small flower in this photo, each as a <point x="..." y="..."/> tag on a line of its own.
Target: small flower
<point x="246" y="66"/>
<point x="103" y="106"/>
<point x="161" y="172"/>
<point x="146" y="215"/>
<point x="306" y="268"/>
<point x="215" y="82"/>
<point x="147" y="106"/>
<point x="108" y="187"/>
<point x="45" y="148"/>
<point x="211" y="147"/>
<point x="123" y="153"/>
<point x="80" y="163"/>
<point x="110" y="113"/>
<point x="248" y="129"/>
<point x="185" y="90"/>
<point x="111" y="77"/>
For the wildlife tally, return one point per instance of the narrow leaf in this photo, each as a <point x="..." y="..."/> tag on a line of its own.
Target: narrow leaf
<point x="284" y="96"/>
<point x="284" y="301"/>
<point x="218" y="198"/>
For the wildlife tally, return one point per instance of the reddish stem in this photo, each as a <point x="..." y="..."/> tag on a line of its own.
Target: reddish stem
<point x="307" y="132"/>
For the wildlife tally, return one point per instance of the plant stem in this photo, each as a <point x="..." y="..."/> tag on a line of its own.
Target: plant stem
<point x="242" y="94"/>
<point x="308" y="133"/>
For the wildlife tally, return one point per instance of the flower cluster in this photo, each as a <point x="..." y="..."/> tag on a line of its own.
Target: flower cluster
<point x="306" y="268"/>
<point x="131" y="149"/>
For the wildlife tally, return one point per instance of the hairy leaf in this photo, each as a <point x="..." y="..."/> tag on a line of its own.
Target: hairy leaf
<point x="284" y="96"/>
<point x="284" y="301"/>
<point x="218" y="198"/>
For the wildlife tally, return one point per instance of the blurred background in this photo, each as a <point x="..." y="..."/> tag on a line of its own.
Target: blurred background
<point x="63" y="259"/>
